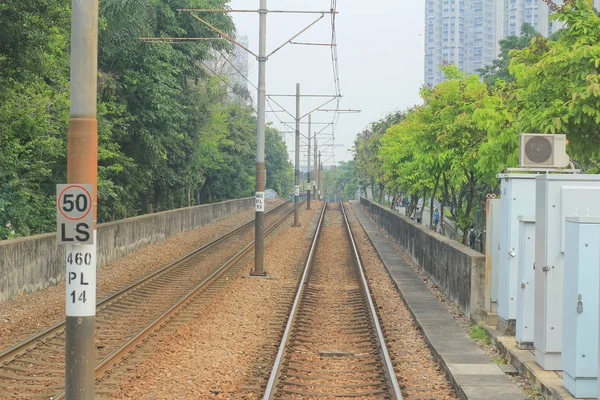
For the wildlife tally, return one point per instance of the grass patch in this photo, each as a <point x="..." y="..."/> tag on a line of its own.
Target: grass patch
<point x="479" y="334"/>
<point x="499" y="360"/>
<point x="533" y="394"/>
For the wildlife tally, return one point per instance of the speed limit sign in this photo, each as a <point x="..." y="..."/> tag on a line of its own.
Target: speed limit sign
<point x="75" y="216"/>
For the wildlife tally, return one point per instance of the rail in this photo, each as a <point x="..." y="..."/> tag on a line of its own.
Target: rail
<point x="10" y="353"/>
<point x="290" y="323"/>
<point x="373" y="313"/>
<point x="387" y="368"/>
<point x="118" y="354"/>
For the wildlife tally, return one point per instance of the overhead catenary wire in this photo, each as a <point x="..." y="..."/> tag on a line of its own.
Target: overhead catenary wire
<point x="335" y="66"/>
<point x="335" y="69"/>
<point x="249" y="101"/>
<point x="237" y="70"/>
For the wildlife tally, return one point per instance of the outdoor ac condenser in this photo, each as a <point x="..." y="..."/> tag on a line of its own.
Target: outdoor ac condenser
<point x="543" y="151"/>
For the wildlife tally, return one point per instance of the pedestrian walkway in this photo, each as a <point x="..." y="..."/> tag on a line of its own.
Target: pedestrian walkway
<point x="468" y="367"/>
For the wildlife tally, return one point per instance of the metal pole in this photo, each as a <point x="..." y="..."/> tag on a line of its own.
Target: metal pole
<point x="308" y="167"/>
<point x="261" y="173"/>
<point x="297" y="171"/>
<point x="82" y="167"/>
<point x="316" y="172"/>
<point x="320" y="183"/>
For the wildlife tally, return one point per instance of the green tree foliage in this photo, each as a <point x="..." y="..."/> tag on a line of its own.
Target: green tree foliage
<point x="281" y="172"/>
<point x="340" y="182"/>
<point x="34" y="110"/>
<point x="499" y="69"/>
<point x="169" y="133"/>
<point x="440" y="142"/>
<point x="559" y="83"/>
<point x="366" y="150"/>
<point x="467" y="130"/>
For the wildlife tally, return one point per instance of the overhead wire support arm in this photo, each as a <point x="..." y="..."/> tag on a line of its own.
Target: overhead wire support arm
<point x="316" y="108"/>
<point x="304" y="95"/>
<point x="341" y="111"/>
<point x="321" y="131"/>
<point x="226" y="10"/>
<point x="313" y="44"/>
<point x="225" y="35"/>
<point x="176" y="39"/>
<point x="280" y="106"/>
<point x="296" y="35"/>
<point x="314" y="123"/>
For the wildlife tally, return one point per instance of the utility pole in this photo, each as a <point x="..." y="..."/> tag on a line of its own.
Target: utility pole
<point x="82" y="168"/>
<point x="308" y="166"/>
<point x="316" y="172"/>
<point x="261" y="173"/>
<point x="297" y="171"/>
<point x="262" y="58"/>
<point x="320" y="183"/>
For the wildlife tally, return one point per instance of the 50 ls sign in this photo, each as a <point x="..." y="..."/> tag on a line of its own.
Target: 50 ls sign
<point x="75" y="216"/>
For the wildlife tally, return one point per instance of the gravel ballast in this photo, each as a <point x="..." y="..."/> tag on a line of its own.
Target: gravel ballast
<point x="24" y="316"/>
<point x="214" y="355"/>
<point x="419" y="375"/>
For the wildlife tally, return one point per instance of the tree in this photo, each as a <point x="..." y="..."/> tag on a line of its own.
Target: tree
<point x="499" y="69"/>
<point x="559" y="83"/>
<point x="340" y="181"/>
<point x="170" y="133"/>
<point x="366" y="151"/>
<point x="280" y="172"/>
<point x="440" y="141"/>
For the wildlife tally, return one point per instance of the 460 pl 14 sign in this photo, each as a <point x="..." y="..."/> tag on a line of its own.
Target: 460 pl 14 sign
<point x="75" y="216"/>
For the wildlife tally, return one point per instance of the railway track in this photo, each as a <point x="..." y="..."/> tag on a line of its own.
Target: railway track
<point x="333" y="345"/>
<point x="34" y="368"/>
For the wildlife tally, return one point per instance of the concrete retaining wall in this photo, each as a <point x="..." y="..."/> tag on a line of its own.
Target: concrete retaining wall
<point x="35" y="262"/>
<point x="458" y="270"/>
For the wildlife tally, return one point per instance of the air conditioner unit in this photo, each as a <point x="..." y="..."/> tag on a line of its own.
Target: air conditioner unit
<point x="543" y="151"/>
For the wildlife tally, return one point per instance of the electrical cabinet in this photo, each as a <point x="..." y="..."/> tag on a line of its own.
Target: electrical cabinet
<point x="518" y="198"/>
<point x="580" y="306"/>
<point x="557" y="196"/>
<point x="526" y="279"/>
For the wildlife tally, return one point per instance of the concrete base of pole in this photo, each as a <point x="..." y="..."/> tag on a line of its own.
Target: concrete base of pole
<point x="296" y="206"/>
<point x="258" y="274"/>
<point x="308" y="199"/>
<point x="259" y="244"/>
<point x="80" y="358"/>
<point x="252" y="274"/>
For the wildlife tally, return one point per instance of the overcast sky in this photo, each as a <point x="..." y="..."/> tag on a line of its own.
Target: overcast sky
<point x="380" y="52"/>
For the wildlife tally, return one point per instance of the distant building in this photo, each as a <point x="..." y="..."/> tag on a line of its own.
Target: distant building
<point x="460" y="32"/>
<point x="486" y="32"/>
<point x="466" y="33"/>
<point x="240" y="61"/>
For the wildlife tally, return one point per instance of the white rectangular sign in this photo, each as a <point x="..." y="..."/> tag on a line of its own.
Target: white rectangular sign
<point x="297" y="190"/>
<point x="81" y="280"/>
<point x="260" y="201"/>
<point x="75" y="213"/>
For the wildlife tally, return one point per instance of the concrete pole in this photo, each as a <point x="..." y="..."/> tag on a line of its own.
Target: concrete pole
<point x="261" y="173"/>
<point x="320" y="184"/>
<point x="316" y="172"/>
<point x="82" y="167"/>
<point x="308" y="166"/>
<point x="297" y="171"/>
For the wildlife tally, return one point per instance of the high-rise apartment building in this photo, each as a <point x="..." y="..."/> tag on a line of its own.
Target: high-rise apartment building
<point x="460" y="32"/>
<point x="518" y="12"/>
<point x="447" y="36"/>
<point x="466" y="33"/>
<point x="486" y="33"/>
